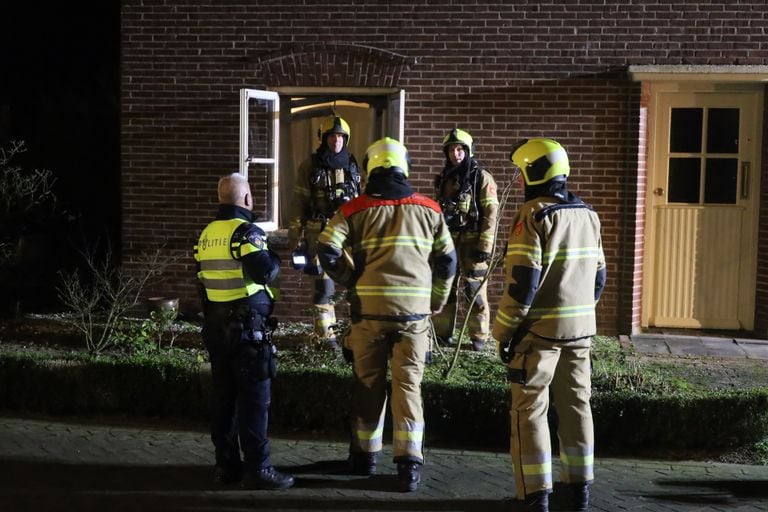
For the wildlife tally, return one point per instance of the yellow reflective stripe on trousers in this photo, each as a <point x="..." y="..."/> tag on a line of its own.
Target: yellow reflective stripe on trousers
<point x="537" y="471"/>
<point x="369" y="436"/>
<point x="324" y="319"/>
<point x="576" y="466"/>
<point x="409" y="441"/>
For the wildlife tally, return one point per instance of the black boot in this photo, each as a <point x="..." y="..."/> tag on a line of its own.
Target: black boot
<point x="579" y="497"/>
<point x="362" y="463"/>
<point x="267" y="478"/>
<point x="408" y="476"/>
<point x="537" y="502"/>
<point x="225" y="475"/>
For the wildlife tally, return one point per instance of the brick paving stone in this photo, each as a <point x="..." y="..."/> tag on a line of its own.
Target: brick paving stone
<point x="62" y="464"/>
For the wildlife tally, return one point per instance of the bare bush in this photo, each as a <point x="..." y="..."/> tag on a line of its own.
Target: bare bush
<point x="99" y="298"/>
<point x="25" y="196"/>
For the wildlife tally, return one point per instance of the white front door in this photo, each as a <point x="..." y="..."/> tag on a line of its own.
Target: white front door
<point x="703" y="182"/>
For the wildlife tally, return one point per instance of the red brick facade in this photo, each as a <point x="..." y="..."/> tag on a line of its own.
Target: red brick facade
<point x="502" y="70"/>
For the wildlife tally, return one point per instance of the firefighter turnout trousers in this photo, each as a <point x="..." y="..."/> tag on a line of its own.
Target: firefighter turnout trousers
<point x="404" y="344"/>
<point x="472" y="272"/>
<point x="566" y="367"/>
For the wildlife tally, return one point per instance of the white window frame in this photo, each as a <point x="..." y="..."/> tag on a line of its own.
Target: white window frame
<point x="273" y="99"/>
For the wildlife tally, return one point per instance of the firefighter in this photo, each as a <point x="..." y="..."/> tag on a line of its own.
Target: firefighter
<point x="403" y="261"/>
<point x="467" y="194"/>
<point x="235" y="267"/>
<point x="327" y="179"/>
<point x="554" y="274"/>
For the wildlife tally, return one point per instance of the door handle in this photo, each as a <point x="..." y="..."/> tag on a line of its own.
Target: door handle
<point x="745" y="167"/>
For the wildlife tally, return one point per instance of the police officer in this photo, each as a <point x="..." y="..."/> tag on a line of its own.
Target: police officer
<point x="555" y="273"/>
<point x="468" y="196"/>
<point x="325" y="181"/>
<point x="235" y="266"/>
<point x="403" y="261"/>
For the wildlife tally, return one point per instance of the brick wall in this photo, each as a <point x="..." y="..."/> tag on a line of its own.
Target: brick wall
<point x="502" y="70"/>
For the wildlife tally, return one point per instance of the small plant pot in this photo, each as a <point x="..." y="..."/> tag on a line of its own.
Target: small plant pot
<point x="163" y="304"/>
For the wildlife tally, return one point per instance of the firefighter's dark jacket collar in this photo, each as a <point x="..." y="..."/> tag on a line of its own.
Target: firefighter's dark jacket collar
<point x="388" y="185"/>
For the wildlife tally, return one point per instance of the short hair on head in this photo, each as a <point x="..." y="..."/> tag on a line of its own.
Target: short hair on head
<point x="232" y="188"/>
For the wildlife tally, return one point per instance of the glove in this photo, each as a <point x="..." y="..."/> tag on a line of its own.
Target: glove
<point x="482" y="256"/>
<point x="507" y="350"/>
<point x="506" y="353"/>
<point x="313" y="270"/>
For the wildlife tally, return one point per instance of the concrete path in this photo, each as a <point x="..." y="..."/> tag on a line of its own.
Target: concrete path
<point x="679" y="345"/>
<point x="78" y="464"/>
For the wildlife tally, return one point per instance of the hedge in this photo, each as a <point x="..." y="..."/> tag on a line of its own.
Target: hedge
<point x="312" y="399"/>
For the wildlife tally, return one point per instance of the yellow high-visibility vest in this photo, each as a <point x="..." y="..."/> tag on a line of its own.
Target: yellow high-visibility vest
<point x="218" y="252"/>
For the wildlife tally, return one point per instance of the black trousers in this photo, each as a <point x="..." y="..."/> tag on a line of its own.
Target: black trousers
<point x="240" y="396"/>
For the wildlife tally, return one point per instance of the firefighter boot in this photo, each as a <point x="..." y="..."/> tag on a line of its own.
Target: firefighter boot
<point x="537" y="502"/>
<point x="363" y="464"/>
<point x="579" y="497"/>
<point x="408" y="476"/>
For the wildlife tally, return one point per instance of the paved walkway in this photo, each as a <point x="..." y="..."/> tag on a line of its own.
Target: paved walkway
<point x="682" y="345"/>
<point x="77" y="464"/>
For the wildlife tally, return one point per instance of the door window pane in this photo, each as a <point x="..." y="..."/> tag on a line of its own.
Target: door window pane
<point x="720" y="181"/>
<point x="684" y="180"/>
<point x="723" y="130"/>
<point x="685" y="130"/>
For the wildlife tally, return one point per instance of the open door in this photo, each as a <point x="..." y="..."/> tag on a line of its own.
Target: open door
<point x="370" y="113"/>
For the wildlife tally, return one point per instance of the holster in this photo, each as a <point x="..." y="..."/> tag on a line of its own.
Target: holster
<point x="247" y="326"/>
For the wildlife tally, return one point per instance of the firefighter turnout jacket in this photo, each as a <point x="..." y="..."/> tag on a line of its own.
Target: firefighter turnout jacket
<point x="470" y="203"/>
<point x="555" y="271"/>
<point x="392" y="242"/>
<point x="318" y="192"/>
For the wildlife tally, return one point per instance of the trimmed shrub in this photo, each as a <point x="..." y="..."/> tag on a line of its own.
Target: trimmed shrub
<point x="473" y="414"/>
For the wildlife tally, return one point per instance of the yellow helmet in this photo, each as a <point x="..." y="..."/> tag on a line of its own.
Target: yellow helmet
<point x="540" y="160"/>
<point x="387" y="153"/>
<point x="459" y="136"/>
<point x="333" y="124"/>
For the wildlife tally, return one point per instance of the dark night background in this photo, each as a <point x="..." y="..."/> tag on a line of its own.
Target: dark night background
<point x="60" y="94"/>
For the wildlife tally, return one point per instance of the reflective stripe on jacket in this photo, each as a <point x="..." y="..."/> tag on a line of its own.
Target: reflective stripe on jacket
<point x="554" y="272"/>
<point x="403" y="255"/>
<point x="218" y="253"/>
